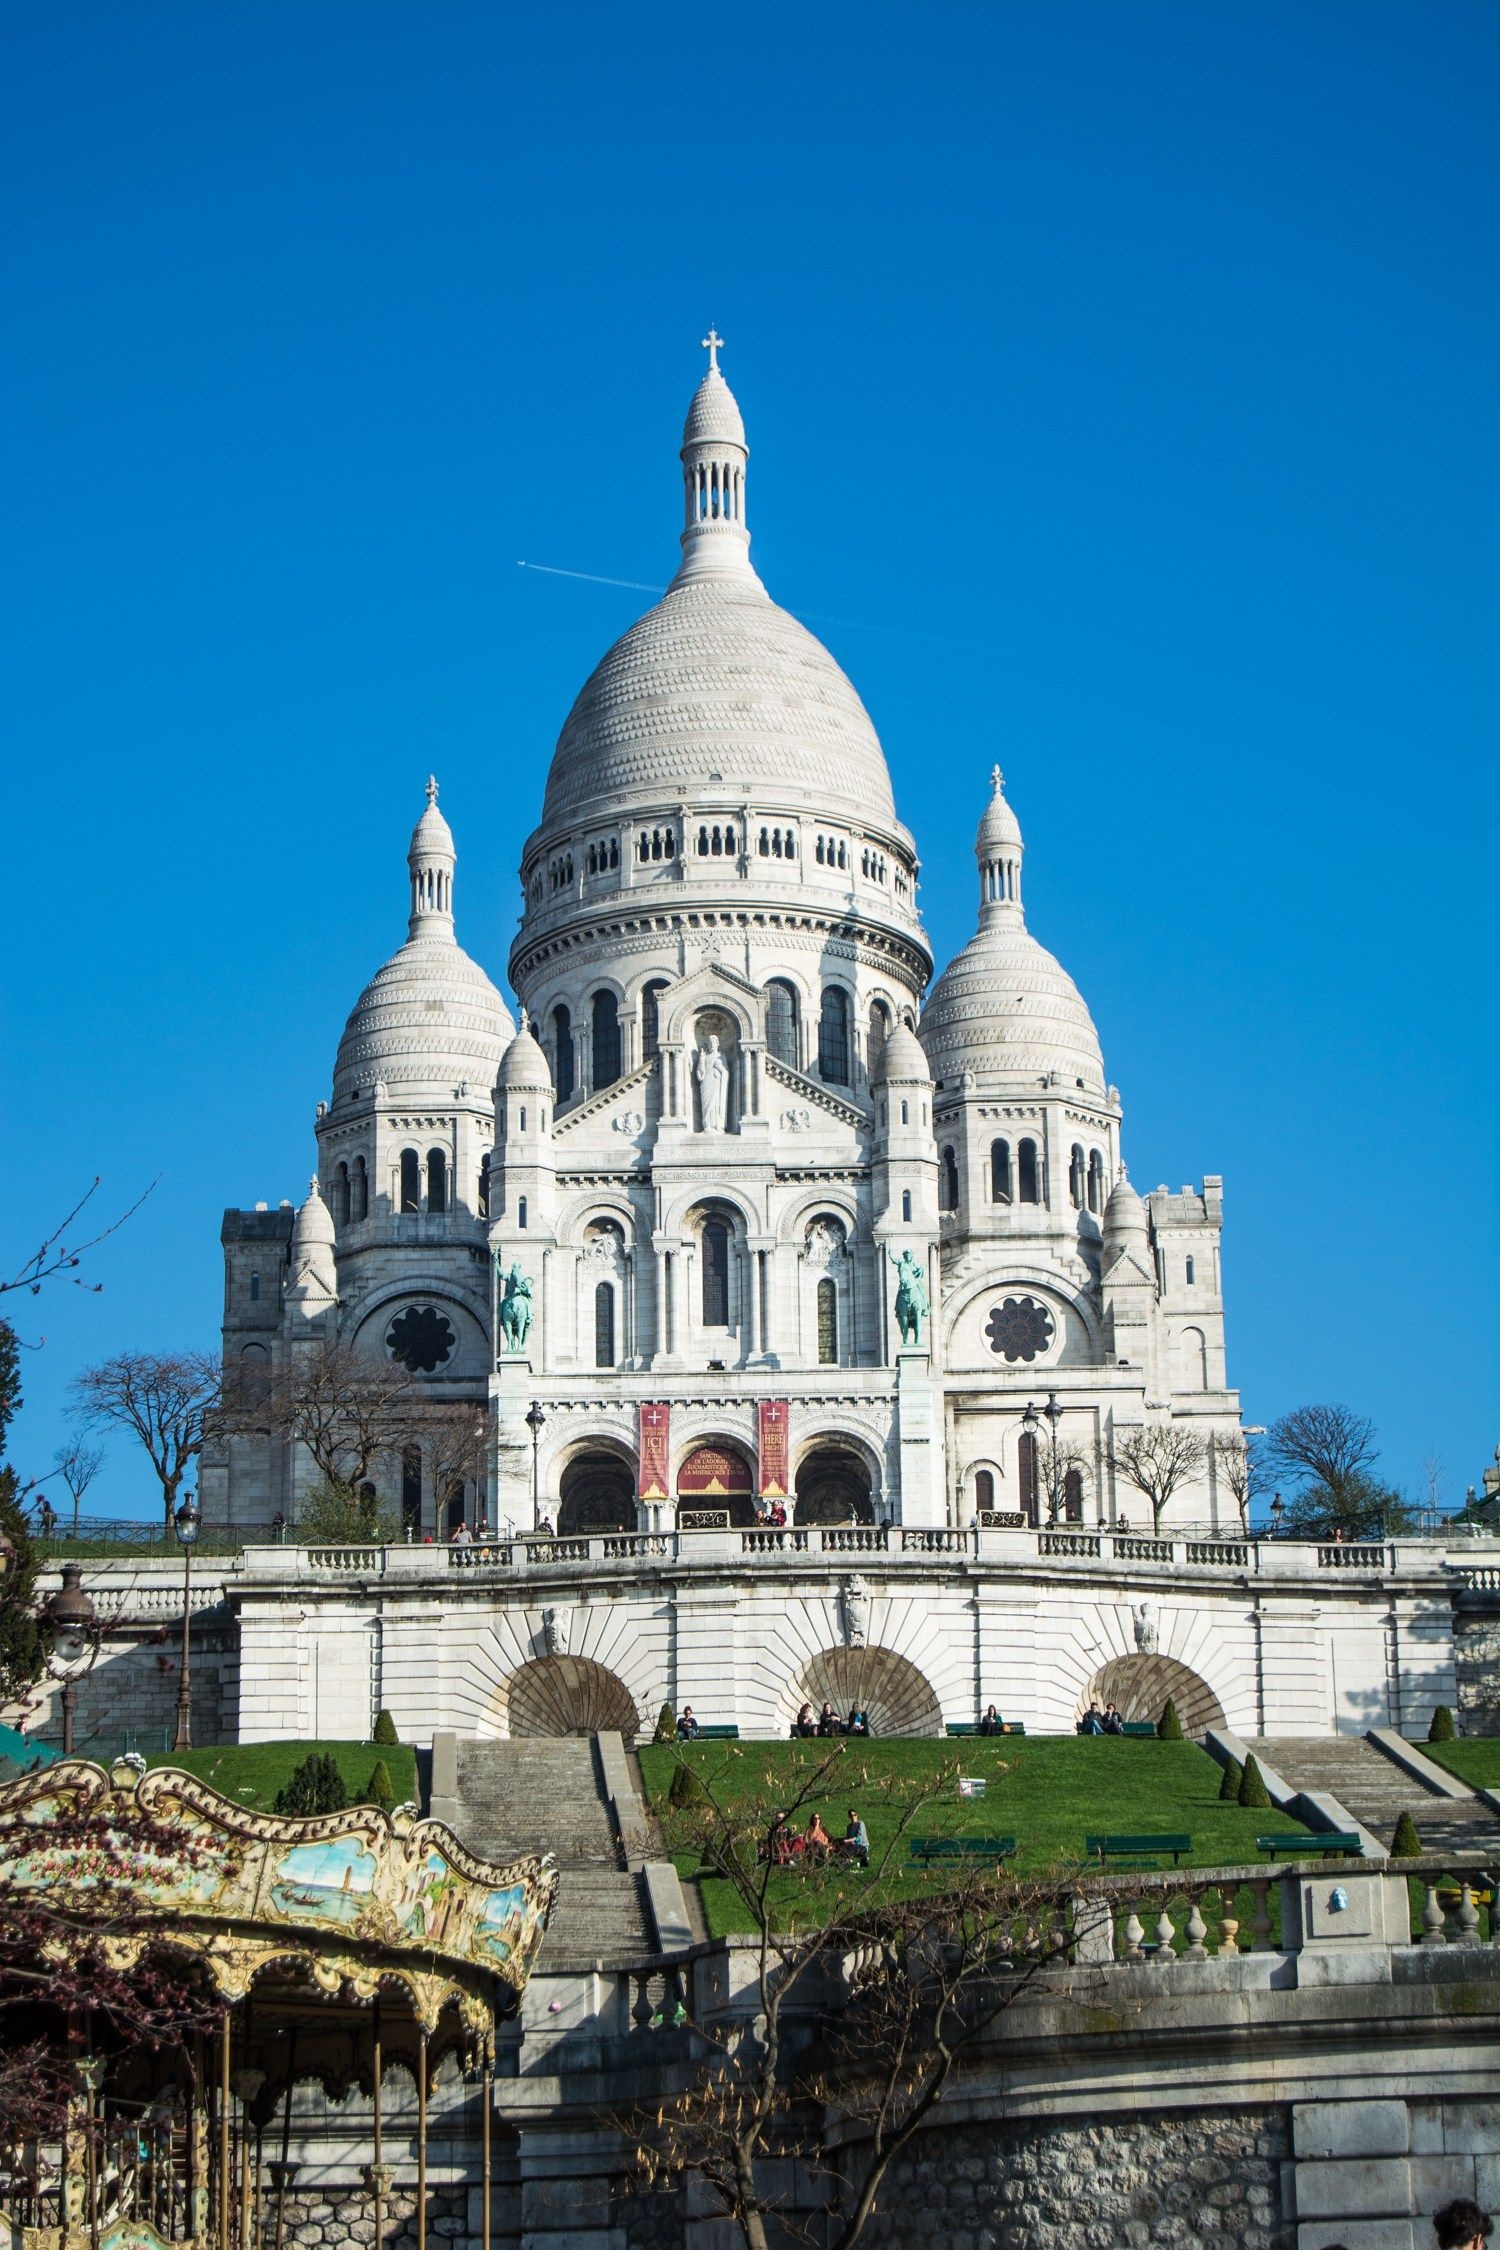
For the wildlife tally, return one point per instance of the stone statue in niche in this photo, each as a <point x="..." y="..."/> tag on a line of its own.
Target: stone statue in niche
<point x="825" y="1241"/>
<point x="1144" y="1617"/>
<point x="856" y="1607"/>
<point x="555" y="1631"/>
<point x="712" y="1074"/>
<point x="515" y="1309"/>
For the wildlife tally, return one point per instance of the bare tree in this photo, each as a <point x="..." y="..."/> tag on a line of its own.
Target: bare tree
<point x="897" y="1983"/>
<point x="458" y="1438"/>
<point x="57" y="1255"/>
<point x="1239" y="1466"/>
<point x="162" y="1398"/>
<point x="1158" y="1458"/>
<point x="1056" y="1466"/>
<point x="348" y="1407"/>
<point x="1333" y="1452"/>
<point x="78" y="1465"/>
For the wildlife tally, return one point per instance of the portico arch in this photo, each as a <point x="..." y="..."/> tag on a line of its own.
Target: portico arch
<point x="568" y="1695"/>
<point x="716" y="1476"/>
<point x="833" y="1485"/>
<point x="596" y="1493"/>
<point x="1139" y="1687"/>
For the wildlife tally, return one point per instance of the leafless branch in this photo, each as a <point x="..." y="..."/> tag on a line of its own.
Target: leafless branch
<point x="56" y="1255"/>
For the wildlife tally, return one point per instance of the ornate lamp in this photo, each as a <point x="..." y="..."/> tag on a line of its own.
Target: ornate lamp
<point x="536" y="1422"/>
<point x="73" y="1626"/>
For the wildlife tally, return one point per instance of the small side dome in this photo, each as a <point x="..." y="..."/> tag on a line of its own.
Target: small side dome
<point x="714" y="416"/>
<point x="1124" y="1215"/>
<point x="523" y="1066"/>
<point x="999" y="830"/>
<point x="902" y="1060"/>
<point x="313" y="1225"/>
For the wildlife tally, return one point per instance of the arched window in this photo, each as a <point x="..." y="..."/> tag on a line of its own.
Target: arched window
<point x="1026" y="1468"/>
<point x="984" y="1490"/>
<point x="605" y="1039"/>
<point x="906" y="1207"/>
<point x="255" y="1289"/>
<point x="484" y="1187"/>
<point x="1073" y="1496"/>
<point x="828" y="1323"/>
<point x="521" y="1212"/>
<point x="1000" y="1183"/>
<point x="359" y="1190"/>
<point x="411" y="1180"/>
<point x="1077" y="1177"/>
<point x="948" y="1181"/>
<point x="877" y="1031"/>
<point x="562" y="1053"/>
<point x="651" y="1018"/>
<point x="341" y="1195"/>
<point x="411" y="1488"/>
<point x="715" y="1263"/>
<point x="833" y="1036"/>
<point x="906" y="1113"/>
<point x="781" y="1021"/>
<point x="1190" y="1272"/>
<point x="437" y="1179"/>
<point x="1030" y="1171"/>
<point x="604" y="1325"/>
<point x="1096" y="1181"/>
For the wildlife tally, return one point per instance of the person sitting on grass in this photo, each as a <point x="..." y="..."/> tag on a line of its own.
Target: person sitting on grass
<point x="828" y="1721"/>
<point x="1092" y="1721"/>
<point x="858" y="1721"/>
<point x="990" y="1723"/>
<point x="806" y="1725"/>
<point x="818" y="1842"/>
<point x="1113" y="1723"/>
<point x="857" y="1840"/>
<point x="687" y="1725"/>
<point x="781" y="1841"/>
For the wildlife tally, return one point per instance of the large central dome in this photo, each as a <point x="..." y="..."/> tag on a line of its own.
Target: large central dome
<point x="716" y="684"/>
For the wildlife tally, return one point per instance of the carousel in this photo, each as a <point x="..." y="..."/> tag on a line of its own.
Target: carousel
<point x="173" y="1965"/>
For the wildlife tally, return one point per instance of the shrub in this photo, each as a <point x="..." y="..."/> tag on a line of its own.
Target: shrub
<point x="1169" y="1726"/>
<point x="666" y="1725"/>
<point x="1253" y="1791"/>
<point x="1406" y="1843"/>
<point x="1441" y="1728"/>
<point x="381" y="1790"/>
<point x="1229" y="1783"/>
<point x="686" y="1789"/>
<point x="346" y="1519"/>
<point x="317" y="1786"/>
<point x="385" y="1730"/>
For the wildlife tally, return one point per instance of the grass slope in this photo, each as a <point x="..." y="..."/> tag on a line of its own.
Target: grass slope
<point x="1048" y="1792"/>
<point x="252" y="1772"/>
<point x="1477" y="1762"/>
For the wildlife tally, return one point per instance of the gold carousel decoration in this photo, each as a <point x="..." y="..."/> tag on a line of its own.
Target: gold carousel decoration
<point x="322" y="1948"/>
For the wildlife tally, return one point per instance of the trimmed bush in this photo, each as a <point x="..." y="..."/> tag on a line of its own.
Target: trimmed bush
<point x="385" y="1730"/>
<point x="1229" y="1783"/>
<point x="666" y="1725"/>
<point x="686" y="1789"/>
<point x="1169" y="1726"/>
<point x="1406" y="1843"/>
<point x="317" y="1786"/>
<point x="1253" y="1791"/>
<point x="1441" y="1728"/>
<point x="381" y="1790"/>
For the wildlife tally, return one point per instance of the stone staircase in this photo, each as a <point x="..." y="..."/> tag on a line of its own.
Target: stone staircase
<point x="1374" y="1789"/>
<point x="543" y="1794"/>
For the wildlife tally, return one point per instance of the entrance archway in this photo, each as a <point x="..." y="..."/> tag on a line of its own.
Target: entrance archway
<point x="566" y="1695"/>
<point x="1140" y="1685"/>
<point x="833" y="1486"/>
<point x="898" y="1698"/>
<point x="716" y="1477"/>
<point x="597" y="1493"/>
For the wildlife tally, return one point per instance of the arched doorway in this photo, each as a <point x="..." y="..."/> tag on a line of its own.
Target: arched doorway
<point x="597" y="1494"/>
<point x="713" y="1478"/>
<point x="898" y="1698"/>
<point x="563" y="1695"/>
<point x="1140" y="1685"/>
<point x="833" y="1486"/>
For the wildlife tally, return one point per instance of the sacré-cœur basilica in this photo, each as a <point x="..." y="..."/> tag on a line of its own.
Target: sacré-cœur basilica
<point x="747" y="1212"/>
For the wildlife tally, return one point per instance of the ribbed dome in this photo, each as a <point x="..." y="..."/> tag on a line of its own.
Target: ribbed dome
<point x="430" y="1017"/>
<point x="1124" y="1215"/>
<point x="1004" y="1005"/>
<point x="716" y="684"/>
<point x="713" y="413"/>
<point x="902" y="1058"/>
<point x="524" y="1068"/>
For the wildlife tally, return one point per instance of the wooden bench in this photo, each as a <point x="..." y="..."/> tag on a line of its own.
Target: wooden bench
<point x="713" y="1734"/>
<point x="1136" y="1851"/>
<point x="1138" y="1726"/>
<point x="960" y="1850"/>
<point x="971" y="1726"/>
<point x="1339" y="1846"/>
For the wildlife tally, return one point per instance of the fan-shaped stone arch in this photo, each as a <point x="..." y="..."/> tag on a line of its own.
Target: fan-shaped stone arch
<point x="565" y="1695"/>
<point x="898" y="1698"/>
<point x="1140" y="1685"/>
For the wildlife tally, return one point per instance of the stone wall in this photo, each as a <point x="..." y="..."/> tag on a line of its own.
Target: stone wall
<point x="331" y="2218"/>
<point x="1476" y="1663"/>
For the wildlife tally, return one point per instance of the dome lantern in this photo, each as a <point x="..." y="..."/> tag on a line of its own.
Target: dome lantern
<point x="431" y="860"/>
<point x="715" y="541"/>
<point x="998" y="849"/>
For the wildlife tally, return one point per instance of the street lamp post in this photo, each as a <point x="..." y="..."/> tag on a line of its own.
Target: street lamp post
<point x="1278" y="1510"/>
<point x="536" y="1422"/>
<point x="1031" y="1422"/>
<point x="186" y="1524"/>
<point x="73" y="1623"/>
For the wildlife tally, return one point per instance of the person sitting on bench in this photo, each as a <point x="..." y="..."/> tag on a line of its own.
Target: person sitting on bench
<point x="1092" y="1721"/>
<point x="990" y="1723"/>
<point x="858" y="1721"/>
<point x="857" y="1840"/>
<point x="1113" y="1723"/>
<point x="687" y="1725"/>
<point x="828" y="1720"/>
<point x="806" y="1725"/>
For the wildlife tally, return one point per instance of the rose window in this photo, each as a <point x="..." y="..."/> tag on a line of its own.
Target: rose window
<point x="1019" y="1328"/>
<point x="422" y="1339"/>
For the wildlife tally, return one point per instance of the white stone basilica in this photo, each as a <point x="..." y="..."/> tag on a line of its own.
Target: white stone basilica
<point x="726" y="1127"/>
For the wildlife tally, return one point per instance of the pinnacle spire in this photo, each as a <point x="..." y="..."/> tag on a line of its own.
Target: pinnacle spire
<point x="715" y="542"/>
<point x="999" y="849"/>
<point x="430" y="860"/>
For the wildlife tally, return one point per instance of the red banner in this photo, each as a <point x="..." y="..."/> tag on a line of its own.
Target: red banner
<point x="775" y="1454"/>
<point x="655" y="1452"/>
<point x="713" y="1472"/>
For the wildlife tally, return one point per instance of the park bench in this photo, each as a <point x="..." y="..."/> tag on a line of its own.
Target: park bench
<point x="1136" y="1851"/>
<point x="1339" y="1845"/>
<point x="960" y="1850"/>
<point x="1138" y="1726"/>
<point x="715" y="1734"/>
<point x="971" y="1726"/>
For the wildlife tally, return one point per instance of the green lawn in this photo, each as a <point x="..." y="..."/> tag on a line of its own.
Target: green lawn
<point x="252" y="1772"/>
<point x="1047" y="1791"/>
<point x="1477" y="1762"/>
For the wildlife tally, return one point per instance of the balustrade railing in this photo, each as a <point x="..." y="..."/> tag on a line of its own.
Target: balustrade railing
<point x="1083" y="1546"/>
<point x="345" y="1558"/>
<point x="773" y="1542"/>
<point x="1234" y="1552"/>
<point x="917" y="1540"/>
<point x="856" y="1539"/>
<point x="1135" y="1546"/>
<point x="1341" y="1554"/>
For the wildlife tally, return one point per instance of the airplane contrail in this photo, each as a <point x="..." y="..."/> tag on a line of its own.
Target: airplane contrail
<point x="591" y="578"/>
<point x="816" y="617"/>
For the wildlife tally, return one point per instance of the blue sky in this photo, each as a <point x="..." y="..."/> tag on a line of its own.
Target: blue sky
<point x="1119" y="377"/>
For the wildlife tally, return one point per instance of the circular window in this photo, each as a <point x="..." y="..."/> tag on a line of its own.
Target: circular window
<point x="422" y="1339"/>
<point x="1019" y="1328"/>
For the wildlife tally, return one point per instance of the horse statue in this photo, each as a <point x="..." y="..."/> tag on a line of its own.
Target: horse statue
<point x="515" y="1310"/>
<point x="912" y="1303"/>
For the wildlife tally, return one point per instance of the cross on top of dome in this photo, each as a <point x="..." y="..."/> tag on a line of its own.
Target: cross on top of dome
<point x="713" y="344"/>
<point x="432" y="788"/>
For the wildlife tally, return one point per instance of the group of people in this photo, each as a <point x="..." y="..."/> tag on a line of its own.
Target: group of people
<point x="770" y="1516"/>
<point x="784" y="1847"/>
<point x="806" y="1728"/>
<point x="1107" y="1721"/>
